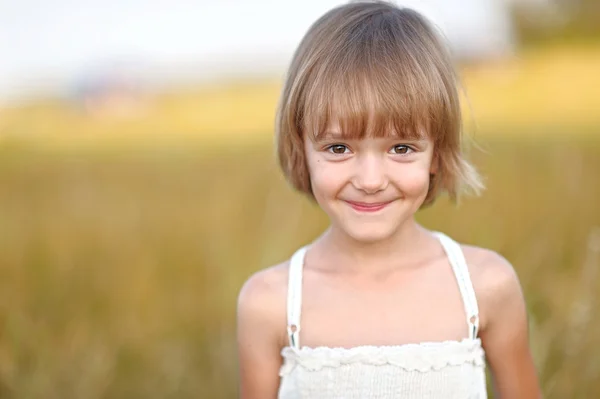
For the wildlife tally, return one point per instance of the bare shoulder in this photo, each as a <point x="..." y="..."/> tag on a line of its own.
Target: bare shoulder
<point x="261" y="331"/>
<point x="490" y="271"/>
<point x="262" y="298"/>
<point x="495" y="280"/>
<point x="504" y="329"/>
<point x="504" y="324"/>
<point x="265" y="282"/>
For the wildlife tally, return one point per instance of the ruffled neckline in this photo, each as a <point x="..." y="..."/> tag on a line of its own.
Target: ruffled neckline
<point x="422" y="357"/>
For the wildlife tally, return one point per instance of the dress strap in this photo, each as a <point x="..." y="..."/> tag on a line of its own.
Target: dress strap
<point x="461" y="272"/>
<point x="294" y="299"/>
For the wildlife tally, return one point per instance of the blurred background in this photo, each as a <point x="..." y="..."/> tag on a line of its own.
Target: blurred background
<point x="138" y="187"/>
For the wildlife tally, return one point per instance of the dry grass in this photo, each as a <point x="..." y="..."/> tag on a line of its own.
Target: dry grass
<point x="120" y="271"/>
<point x="120" y="262"/>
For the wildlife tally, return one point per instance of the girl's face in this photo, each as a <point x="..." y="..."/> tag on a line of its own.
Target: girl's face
<point x="369" y="187"/>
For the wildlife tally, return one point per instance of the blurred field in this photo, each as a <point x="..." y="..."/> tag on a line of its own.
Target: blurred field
<point x="540" y="91"/>
<point x="121" y="258"/>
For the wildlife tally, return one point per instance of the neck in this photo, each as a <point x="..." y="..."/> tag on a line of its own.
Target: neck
<point x="340" y="249"/>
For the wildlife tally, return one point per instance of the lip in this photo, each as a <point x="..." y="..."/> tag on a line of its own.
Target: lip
<point x="368" y="206"/>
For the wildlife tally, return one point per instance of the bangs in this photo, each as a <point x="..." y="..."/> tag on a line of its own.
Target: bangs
<point x="360" y="109"/>
<point x="380" y="84"/>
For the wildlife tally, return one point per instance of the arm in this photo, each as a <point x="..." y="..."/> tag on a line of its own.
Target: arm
<point x="505" y="336"/>
<point x="258" y="337"/>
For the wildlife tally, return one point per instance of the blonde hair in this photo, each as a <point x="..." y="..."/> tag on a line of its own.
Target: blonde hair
<point x="374" y="69"/>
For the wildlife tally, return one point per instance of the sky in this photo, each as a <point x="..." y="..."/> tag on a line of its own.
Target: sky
<point x="48" y="44"/>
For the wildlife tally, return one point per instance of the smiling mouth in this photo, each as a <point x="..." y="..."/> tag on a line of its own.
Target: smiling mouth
<point x="368" y="207"/>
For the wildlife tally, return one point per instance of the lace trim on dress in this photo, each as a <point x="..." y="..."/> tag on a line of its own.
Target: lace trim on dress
<point x="421" y="357"/>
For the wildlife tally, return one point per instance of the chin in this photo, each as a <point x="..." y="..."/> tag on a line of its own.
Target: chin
<point x="369" y="233"/>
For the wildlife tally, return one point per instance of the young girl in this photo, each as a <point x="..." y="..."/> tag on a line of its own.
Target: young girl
<point x="378" y="306"/>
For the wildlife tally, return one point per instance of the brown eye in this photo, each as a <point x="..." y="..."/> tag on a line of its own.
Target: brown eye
<point x="401" y="149"/>
<point x="337" y="149"/>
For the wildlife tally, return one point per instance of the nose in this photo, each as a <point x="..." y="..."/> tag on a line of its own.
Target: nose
<point x="370" y="174"/>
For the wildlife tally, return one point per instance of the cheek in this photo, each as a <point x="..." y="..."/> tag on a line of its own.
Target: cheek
<point x="413" y="181"/>
<point x="325" y="179"/>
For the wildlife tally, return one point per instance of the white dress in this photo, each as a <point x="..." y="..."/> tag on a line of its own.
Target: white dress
<point x="440" y="370"/>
